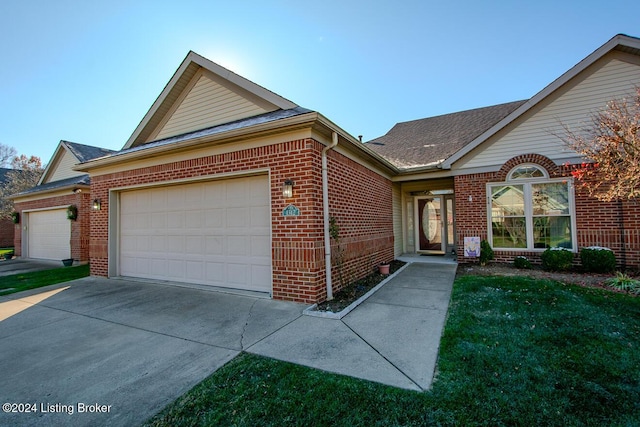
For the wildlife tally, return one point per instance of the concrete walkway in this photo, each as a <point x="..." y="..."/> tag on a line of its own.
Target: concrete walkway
<point x="136" y="346"/>
<point x="391" y="338"/>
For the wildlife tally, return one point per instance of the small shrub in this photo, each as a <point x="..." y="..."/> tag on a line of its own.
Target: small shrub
<point x="623" y="282"/>
<point x="557" y="259"/>
<point x="522" y="262"/>
<point x="486" y="252"/>
<point x="597" y="259"/>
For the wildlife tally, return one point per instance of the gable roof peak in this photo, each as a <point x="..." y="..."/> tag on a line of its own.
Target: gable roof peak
<point x="178" y="83"/>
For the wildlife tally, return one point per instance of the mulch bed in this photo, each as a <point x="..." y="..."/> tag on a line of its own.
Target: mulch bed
<point x="592" y="280"/>
<point x="343" y="298"/>
<point x="352" y="292"/>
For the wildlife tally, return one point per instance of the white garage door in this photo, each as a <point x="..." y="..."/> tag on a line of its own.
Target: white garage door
<point x="49" y="234"/>
<point x="211" y="233"/>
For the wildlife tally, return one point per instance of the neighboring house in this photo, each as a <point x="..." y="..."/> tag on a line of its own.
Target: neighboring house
<point x="226" y="184"/>
<point x="44" y="231"/>
<point x="6" y="224"/>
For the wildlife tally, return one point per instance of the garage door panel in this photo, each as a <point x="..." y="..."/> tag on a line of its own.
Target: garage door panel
<point x="158" y="220"/>
<point x="237" y="275"/>
<point x="237" y="245"/>
<point x="195" y="245"/>
<point x="259" y="246"/>
<point x="49" y="234"/>
<point x="258" y="275"/>
<point x="214" y="245"/>
<point x="237" y="217"/>
<point x="215" y="233"/>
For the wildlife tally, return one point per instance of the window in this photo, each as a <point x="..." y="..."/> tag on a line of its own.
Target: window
<point x="531" y="211"/>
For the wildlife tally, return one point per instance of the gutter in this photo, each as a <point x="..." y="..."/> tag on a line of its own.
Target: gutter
<point x="233" y="135"/>
<point x="325" y="211"/>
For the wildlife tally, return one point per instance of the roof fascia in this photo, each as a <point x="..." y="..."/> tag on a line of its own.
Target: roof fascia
<point x="48" y="192"/>
<point x="289" y="123"/>
<point x="618" y="40"/>
<point x="190" y="60"/>
<point x="312" y="119"/>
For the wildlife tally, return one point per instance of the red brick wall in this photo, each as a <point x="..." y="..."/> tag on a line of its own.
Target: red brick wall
<point x="6" y="233"/>
<point x="297" y="242"/>
<point x="79" y="228"/>
<point x="360" y="200"/>
<point x="598" y="223"/>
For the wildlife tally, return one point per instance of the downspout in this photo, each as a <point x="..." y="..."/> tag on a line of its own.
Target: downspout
<point x="325" y="208"/>
<point x="623" y="248"/>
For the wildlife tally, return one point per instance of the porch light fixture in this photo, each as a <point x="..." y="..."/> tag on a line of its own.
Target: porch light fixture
<point x="96" y="205"/>
<point x="77" y="190"/>
<point x="287" y="189"/>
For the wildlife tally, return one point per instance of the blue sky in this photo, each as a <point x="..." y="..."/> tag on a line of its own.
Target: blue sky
<point x="88" y="71"/>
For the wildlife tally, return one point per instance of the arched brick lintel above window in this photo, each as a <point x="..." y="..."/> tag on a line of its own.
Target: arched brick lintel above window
<point x="531" y="158"/>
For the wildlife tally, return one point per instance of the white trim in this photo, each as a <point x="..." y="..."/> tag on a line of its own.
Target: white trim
<point x="193" y="179"/>
<point x="618" y="40"/>
<point x="528" y="211"/>
<point x="48" y="208"/>
<point x="545" y="173"/>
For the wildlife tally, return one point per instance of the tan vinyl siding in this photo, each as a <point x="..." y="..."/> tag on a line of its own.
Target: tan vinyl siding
<point x="398" y="241"/>
<point x="63" y="168"/>
<point x="539" y="133"/>
<point x="207" y="104"/>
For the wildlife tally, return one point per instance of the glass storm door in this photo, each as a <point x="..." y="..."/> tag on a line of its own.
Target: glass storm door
<point x="435" y="224"/>
<point x="430" y="227"/>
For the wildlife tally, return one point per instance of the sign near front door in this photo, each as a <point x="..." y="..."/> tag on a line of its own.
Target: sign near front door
<point x="291" y="210"/>
<point x="472" y="247"/>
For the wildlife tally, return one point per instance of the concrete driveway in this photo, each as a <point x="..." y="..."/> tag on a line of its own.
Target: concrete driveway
<point x="97" y="351"/>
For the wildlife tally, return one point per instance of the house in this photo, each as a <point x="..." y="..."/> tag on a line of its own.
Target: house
<point x="45" y="231"/>
<point x="503" y="173"/>
<point x="6" y="224"/>
<point x="226" y="184"/>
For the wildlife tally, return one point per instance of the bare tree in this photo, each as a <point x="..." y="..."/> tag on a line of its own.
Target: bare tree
<point x="25" y="173"/>
<point x="611" y="145"/>
<point x="6" y="154"/>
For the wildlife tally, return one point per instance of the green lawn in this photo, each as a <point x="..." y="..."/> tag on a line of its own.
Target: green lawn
<point x="36" y="279"/>
<point x="515" y="352"/>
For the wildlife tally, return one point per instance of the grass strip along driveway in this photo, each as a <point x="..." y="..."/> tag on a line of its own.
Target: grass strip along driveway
<point x="37" y="279"/>
<point x="516" y="351"/>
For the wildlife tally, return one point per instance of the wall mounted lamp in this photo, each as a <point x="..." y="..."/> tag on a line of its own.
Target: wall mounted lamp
<point x="96" y="205"/>
<point x="77" y="190"/>
<point x="287" y="189"/>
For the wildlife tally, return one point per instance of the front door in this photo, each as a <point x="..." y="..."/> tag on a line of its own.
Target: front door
<point x="435" y="224"/>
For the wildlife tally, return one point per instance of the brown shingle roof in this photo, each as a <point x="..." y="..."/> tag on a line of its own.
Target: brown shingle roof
<point x="428" y="141"/>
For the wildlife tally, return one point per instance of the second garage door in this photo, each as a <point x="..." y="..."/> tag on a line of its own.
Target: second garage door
<point x="49" y="234"/>
<point x="214" y="233"/>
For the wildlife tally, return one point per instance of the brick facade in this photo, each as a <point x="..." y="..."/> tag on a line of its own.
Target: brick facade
<point x="6" y="233"/>
<point x="297" y="241"/>
<point x="360" y="200"/>
<point x="598" y="223"/>
<point x="79" y="228"/>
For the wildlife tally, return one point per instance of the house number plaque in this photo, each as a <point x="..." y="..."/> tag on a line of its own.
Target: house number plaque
<point x="290" y="210"/>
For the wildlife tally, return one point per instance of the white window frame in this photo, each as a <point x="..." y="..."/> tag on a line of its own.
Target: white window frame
<point x="528" y="207"/>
